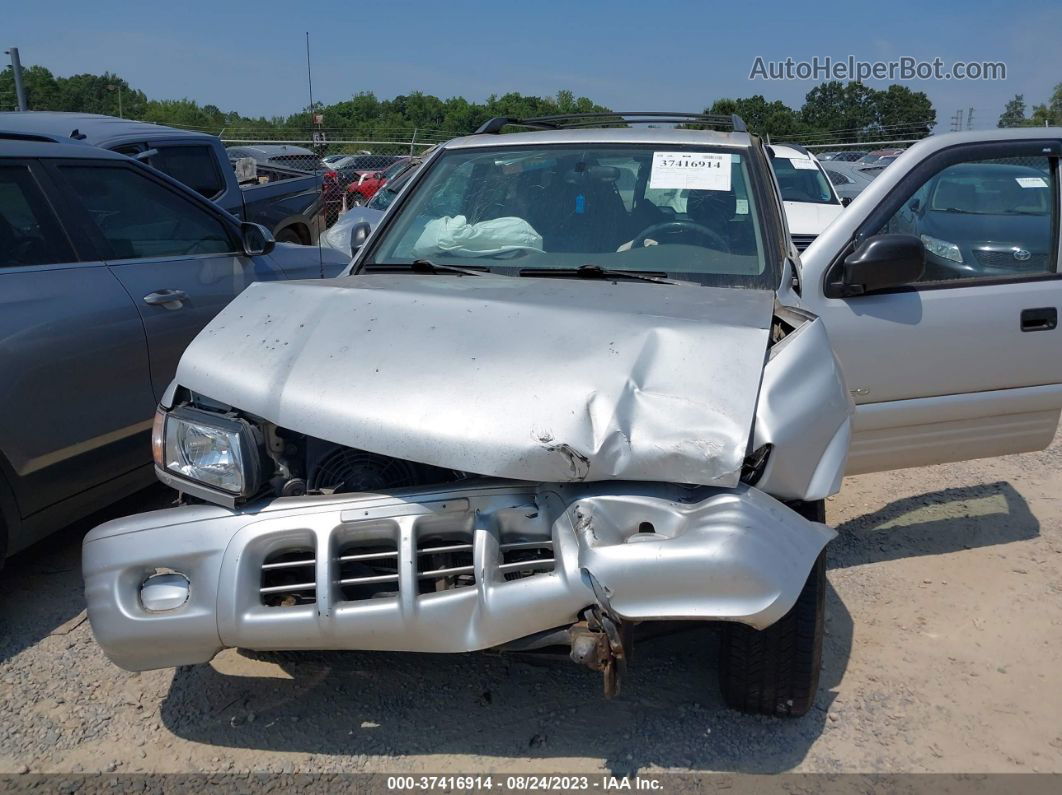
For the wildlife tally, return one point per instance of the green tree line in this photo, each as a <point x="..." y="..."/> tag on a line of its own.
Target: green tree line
<point x="1049" y="114"/>
<point x="832" y="112"/>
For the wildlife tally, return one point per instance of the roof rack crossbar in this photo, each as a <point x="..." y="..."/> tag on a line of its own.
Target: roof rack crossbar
<point x="597" y="119"/>
<point x="495" y="124"/>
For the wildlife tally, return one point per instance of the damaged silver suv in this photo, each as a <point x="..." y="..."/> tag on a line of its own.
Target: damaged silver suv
<point x="579" y="382"/>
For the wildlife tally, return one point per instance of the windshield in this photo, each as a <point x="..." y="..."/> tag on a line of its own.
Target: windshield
<point x="991" y="189"/>
<point x="800" y="180"/>
<point x="672" y="210"/>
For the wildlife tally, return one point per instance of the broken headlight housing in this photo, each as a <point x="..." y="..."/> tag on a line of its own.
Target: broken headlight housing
<point x="215" y="451"/>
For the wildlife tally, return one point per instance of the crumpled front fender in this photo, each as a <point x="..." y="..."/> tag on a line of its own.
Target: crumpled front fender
<point x="738" y="555"/>
<point x="654" y="551"/>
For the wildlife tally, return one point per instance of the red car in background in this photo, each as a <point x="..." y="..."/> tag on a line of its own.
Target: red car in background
<point x="365" y="188"/>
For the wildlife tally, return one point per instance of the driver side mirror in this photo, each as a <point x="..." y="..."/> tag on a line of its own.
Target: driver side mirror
<point x="378" y="175"/>
<point x="256" y="239"/>
<point x="914" y="206"/>
<point x="359" y="233"/>
<point x="882" y="262"/>
<point x="846" y="200"/>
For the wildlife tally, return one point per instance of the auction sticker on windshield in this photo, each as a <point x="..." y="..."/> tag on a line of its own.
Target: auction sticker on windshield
<point x="690" y="171"/>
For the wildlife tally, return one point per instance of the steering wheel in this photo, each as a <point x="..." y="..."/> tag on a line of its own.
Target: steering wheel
<point x="679" y="227"/>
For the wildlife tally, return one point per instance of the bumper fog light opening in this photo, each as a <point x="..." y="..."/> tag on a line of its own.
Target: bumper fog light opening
<point x="164" y="591"/>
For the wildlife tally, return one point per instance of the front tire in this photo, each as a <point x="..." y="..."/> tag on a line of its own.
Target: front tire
<point x="775" y="671"/>
<point x="288" y="235"/>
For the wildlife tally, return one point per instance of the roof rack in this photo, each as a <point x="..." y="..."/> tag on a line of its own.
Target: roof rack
<point x="21" y="136"/>
<point x="567" y="121"/>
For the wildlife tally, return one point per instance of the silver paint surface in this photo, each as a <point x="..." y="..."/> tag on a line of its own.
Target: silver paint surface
<point x="804" y="412"/>
<point x="715" y="554"/>
<point x="541" y="379"/>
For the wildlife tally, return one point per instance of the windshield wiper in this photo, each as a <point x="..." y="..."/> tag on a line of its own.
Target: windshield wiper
<point x="591" y="271"/>
<point x="425" y="266"/>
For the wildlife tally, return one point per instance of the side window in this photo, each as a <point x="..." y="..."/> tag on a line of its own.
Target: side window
<point x="836" y="177"/>
<point x="140" y="218"/>
<point x="984" y="219"/>
<point x="195" y="166"/>
<point x="29" y="232"/>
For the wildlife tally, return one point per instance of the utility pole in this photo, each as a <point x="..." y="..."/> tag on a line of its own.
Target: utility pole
<point x="969" y="119"/>
<point x="16" y="70"/>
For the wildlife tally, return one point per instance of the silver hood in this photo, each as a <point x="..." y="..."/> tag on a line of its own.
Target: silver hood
<point x="530" y="378"/>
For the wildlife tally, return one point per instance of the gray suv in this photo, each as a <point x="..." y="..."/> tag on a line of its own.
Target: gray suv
<point x="108" y="269"/>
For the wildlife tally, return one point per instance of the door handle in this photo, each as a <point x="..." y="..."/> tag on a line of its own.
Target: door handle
<point x="166" y="297"/>
<point x="1043" y="318"/>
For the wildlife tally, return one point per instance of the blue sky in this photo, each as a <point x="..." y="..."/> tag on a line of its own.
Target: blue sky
<point x="662" y="54"/>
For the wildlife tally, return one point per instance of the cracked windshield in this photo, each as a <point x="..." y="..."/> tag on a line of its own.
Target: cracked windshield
<point x="684" y="212"/>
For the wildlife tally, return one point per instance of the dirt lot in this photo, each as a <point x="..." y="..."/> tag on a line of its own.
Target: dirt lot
<point x="944" y="653"/>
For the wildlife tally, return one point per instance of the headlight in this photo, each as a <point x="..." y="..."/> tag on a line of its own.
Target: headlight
<point x="942" y="248"/>
<point x="219" y="452"/>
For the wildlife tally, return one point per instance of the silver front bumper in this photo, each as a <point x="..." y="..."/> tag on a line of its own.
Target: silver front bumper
<point x="655" y="551"/>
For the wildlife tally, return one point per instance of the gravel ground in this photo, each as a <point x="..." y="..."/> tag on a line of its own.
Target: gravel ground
<point x="944" y="653"/>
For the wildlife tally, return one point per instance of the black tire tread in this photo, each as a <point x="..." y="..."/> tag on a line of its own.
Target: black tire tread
<point x="775" y="671"/>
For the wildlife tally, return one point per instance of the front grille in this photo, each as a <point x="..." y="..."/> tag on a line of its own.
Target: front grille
<point x="289" y="578"/>
<point x="1005" y="260"/>
<point x="444" y="562"/>
<point x="802" y="241"/>
<point x="525" y="558"/>
<point x="368" y="571"/>
<point x="364" y="569"/>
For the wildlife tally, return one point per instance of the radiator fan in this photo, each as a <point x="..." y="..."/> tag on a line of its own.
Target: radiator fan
<point x="348" y="470"/>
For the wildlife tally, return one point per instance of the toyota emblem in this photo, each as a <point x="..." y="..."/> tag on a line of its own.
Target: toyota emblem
<point x="1021" y="255"/>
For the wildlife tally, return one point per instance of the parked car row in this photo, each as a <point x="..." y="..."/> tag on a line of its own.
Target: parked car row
<point x="409" y="456"/>
<point x="289" y="207"/>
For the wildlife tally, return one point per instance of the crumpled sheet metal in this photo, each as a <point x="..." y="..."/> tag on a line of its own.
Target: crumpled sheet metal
<point x="714" y="554"/>
<point x="805" y="413"/>
<point x="552" y="380"/>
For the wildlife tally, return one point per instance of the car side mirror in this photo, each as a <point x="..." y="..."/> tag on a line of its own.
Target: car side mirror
<point x="256" y="239"/>
<point x="915" y="205"/>
<point x="846" y="200"/>
<point x="883" y="261"/>
<point x="378" y="175"/>
<point x="359" y="233"/>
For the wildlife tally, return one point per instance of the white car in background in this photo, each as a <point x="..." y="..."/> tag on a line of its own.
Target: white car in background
<point x="811" y="203"/>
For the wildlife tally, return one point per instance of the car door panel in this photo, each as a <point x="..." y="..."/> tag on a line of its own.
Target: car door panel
<point x="948" y="370"/>
<point x="160" y="243"/>
<point x="76" y="398"/>
<point x="921" y="431"/>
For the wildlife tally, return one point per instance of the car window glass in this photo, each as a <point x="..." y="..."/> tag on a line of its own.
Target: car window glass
<point x="565" y="206"/>
<point x="140" y="218"/>
<point x="29" y="233"/>
<point x="800" y="180"/>
<point x="195" y="166"/>
<point x="836" y="177"/>
<point x="984" y="219"/>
